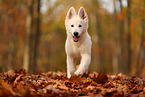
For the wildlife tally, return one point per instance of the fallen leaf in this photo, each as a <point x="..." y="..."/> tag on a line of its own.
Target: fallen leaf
<point x="57" y="84"/>
<point x="77" y="79"/>
<point x="10" y="73"/>
<point x="101" y="78"/>
<point x="8" y="88"/>
<point x="17" y="79"/>
<point x="77" y="66"/>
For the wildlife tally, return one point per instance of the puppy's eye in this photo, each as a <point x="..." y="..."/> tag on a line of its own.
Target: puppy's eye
<point x="80" y="25"/>
<point x="72" y="25"/>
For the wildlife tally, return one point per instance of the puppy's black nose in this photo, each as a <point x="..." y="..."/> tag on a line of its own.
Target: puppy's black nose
<point x="76" y="33"/>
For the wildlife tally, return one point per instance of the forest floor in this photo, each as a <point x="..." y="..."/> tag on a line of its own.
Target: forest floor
<point x="20" y="83"/>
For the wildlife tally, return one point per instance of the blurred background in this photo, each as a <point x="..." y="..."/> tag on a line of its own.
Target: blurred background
<point x="32" y="35"/>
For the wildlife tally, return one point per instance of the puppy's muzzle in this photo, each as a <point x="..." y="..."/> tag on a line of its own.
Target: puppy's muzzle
<point x="76" y="36"/>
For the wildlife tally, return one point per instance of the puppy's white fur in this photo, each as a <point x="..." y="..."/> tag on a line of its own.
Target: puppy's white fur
<point x="80" y="50"/>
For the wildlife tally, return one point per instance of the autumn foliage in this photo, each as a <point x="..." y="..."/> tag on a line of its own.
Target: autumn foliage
<point x="20" y="83"/>
<point x="33" y="35"/>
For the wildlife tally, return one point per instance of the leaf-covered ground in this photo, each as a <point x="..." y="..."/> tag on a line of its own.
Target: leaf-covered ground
<point x="20" y="83"/>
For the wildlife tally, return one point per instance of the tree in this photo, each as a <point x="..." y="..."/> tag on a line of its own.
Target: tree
<point x="141" y="56"/>
<point x="37" y="36"/>
<point x="33" y="31"/>
<point x="129" y="60"/>
<point x="122" y="57"/>
<point x="115" y="51"/>
<point x="29" y="22"/>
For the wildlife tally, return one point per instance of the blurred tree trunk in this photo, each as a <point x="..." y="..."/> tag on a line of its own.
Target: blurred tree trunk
<point x="93" y="23"/>
<point x="141" y="57"/>
<point x="100" y="41"/>
<point x="115" y="51"/>
<point x="34" y="36"/>
<point x="37" y="36"/>
<point x="10" y="54"/>
<point x="122" y="58"/>
<point x="143" y="44"/>
<point x="28" y="42"/>
<point x="129" y="60"/>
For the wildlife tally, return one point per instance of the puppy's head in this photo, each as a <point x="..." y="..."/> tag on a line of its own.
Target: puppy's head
<point x="76" y="24"/>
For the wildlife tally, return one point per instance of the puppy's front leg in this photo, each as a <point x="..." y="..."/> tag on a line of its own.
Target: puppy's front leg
<point x="85" y="62"/>
<point x="70" y="66"/>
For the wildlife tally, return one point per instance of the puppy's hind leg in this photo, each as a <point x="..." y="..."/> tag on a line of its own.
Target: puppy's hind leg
<point x="70" y="66"/>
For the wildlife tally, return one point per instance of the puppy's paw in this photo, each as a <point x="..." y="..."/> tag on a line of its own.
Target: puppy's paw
<point x="68" y="76"/>
<point x="79" y="72"/>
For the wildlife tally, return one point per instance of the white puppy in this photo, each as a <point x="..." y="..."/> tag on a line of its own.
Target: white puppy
<point x="78" y="43"/>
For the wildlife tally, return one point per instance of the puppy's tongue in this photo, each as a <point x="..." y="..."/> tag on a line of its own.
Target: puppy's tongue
<point x="76" y="39"/>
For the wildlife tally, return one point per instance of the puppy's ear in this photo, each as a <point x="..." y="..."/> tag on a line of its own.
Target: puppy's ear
<point x="70" y="13"/>
<point x="82" y="13"/>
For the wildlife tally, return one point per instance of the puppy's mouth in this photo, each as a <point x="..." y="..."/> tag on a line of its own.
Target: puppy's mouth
<point x="76" y="38"/>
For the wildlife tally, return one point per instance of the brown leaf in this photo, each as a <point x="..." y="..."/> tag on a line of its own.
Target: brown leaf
<point x="21" y="71"/>
<point x="77" y="66"/>
<point x="17" y="79"/>
<point x="108" y="92"/>
<point x="77" y="79"/>
<point x="101" y="78"/>
<point x="52" y="88"/>
<point x="11" y="73"/>
<point x="56" y="84"/>
<point x="63" y="87"/>
<point x="90" y="87"/>
<point x="8" y="88"/>
<point x="23" y="90"/>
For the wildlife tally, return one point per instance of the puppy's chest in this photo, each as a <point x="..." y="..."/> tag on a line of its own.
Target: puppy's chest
<point x="75" y="51"/>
